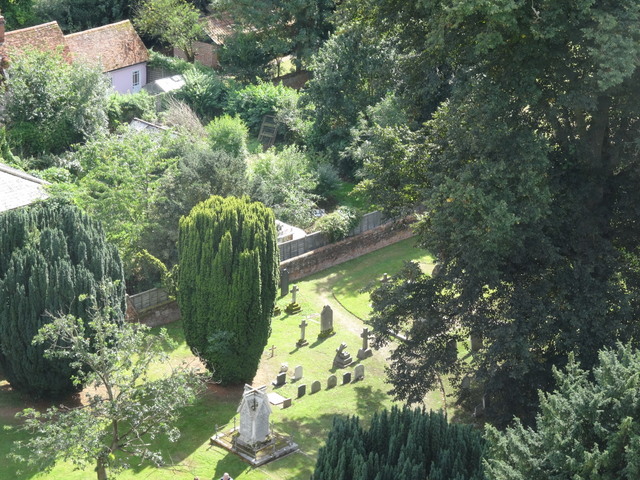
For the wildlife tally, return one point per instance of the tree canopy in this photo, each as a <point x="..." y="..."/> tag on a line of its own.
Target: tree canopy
<point x="128" y="404"/>
<point x="587" y="427"/>
<point x="527" y="174"/>
<point x="54" y="260"/>
<point x="227" y="283"/>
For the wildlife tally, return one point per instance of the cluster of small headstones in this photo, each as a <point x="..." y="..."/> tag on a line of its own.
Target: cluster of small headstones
<point x="316" y="386"/>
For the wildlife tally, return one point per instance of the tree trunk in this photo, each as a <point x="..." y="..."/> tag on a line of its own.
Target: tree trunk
<point x="101" y="469"/>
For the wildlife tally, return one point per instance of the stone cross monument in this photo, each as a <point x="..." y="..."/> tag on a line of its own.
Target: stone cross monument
<point x="302" y="342"/>
<point x="365" y="351"/>
<point x="254" y="412"/>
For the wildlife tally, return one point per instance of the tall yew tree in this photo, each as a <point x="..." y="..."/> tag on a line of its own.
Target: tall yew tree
<point x="54" y="260"/>
<point x="228" y="278"/>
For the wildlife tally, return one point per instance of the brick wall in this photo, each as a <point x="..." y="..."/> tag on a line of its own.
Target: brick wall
<point x="350" y="248"/>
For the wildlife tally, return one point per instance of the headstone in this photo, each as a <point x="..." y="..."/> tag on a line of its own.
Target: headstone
<point x="332" y="381"/>
<point x="466" y="382"/>
<point x="302" y="390"/>
<point x="358" y="372"/>
<point x="272" y="349"/>
<point x="302" y="342"/>
<point x="365" y="351"/>
<point x="254" y="412"/>
<point x="281" y="379"/>
<point x="284" y="367"/>
<point x="346" y="378"/>
<point x="476" y="342"/>
<point x="315" y="386"/>
<point x="286" y="403"/>
<point x="385" y="278"/>
<point x="294" y="294"/>
<point x="284" y="282"/>
<point x="297" y="373"/>
<point x="343" y="358"/>
<point x="326" y="319"/>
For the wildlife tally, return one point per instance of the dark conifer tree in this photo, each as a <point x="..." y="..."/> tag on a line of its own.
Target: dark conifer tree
<point x="53" y="260"/>
<point x="229" y="272"/>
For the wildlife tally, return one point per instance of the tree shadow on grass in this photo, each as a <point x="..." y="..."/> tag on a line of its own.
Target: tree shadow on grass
<point x="369" y="400"/>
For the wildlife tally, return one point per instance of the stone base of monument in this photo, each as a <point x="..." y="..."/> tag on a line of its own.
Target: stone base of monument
<point x="274" y="447"/>
<point x="293" y="308"/>
<point x="302" y="343"/>
<point x="362" y="354"/>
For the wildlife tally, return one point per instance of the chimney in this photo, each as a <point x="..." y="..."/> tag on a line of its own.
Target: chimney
<point x="1" y="30"/>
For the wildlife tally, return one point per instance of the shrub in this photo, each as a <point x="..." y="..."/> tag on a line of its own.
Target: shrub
<point x="124" y="108"/>
<point x="337" y="225"/>
<point x="204" y="92"/>
<point x="253" y="102"/>
<point x="228" y="134"/>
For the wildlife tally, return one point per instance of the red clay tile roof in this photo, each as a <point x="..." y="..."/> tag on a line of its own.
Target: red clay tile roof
<point x="112" y="46"/>
<point x="46" y="37"/>
<point x="218" y="28"/>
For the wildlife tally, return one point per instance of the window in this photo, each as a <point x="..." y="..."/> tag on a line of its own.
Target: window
<point x="136" y="78"/>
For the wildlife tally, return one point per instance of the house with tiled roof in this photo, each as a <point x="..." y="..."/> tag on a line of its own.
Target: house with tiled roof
<point x="117" y="49"/>
<point x="18" y="189"/>
<point x="217" y="30"/>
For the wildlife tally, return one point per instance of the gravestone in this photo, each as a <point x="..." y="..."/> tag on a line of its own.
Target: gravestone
<point x="302" y="390"/>
<point x="476" y="342"/>
<point x="332" y="381"/>
<point x="293" y="307"/>
<point x="297" y="373"/>
<point x="284" y="367"/>
<point x="281" y="379"/>
<point x="284" y="282"/>
<point x="254" y="412"/>
<point x="302" y="342"/>
<point x="294" y="294"/>
<point x="346" y="378"/>
<point x="385" y="278"/>
<point x="365" y="351"/>
<point x="343" y="358"/>
<point x="358" y="372"/>
<point x="315" y="386"/>
<point x="326" y="320"/>
<point x="466" y="382"/>
<point x="286" y="403"/>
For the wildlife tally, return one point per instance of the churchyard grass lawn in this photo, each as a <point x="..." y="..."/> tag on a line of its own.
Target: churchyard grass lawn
<point x="308" y="420"/>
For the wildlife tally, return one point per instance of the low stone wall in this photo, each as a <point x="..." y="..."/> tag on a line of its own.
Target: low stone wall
<point x="348" y="249"/>
<point x="156" y="316"/>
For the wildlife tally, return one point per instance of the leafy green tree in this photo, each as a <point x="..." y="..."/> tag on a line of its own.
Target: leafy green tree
<point x="285" y="181"/>
<point x="228" y="134"/>
<point x="17" y="13"/>
<point x="51" y="104"/>
<point x="55" y="260"/>
<point x="353" y="70"/>
<point x="174" y="22"/>
<point x="227" y="284"/>
<point x="407" y="444"/>
<point x="527" y="178"/>
<point x="128" y="405"/>
<point x="296" y="27"/>
<point x="78" y="15"/>
<point x="205" y="92"/>
<point x="587" y="428"/>
<point x="199" y="173"/>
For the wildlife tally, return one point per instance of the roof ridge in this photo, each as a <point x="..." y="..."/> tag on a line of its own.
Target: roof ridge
<point x="102" y="27"/>
<point x="34" y="27"/>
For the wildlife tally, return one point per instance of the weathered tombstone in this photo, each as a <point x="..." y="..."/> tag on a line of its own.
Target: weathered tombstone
<point x="302" y="390"/>
<point x="466" y="382"/>
<point x="315" y="386"/>
<point x="476" y="342"/>
<point x="302" y="342"/>
<point x="286" y="403"/>
<point x="332" y="381"/>
<point x="343" y="358"/>
<point x="281" y="379"/>
<point x="297" y="373"/>
<point x="326" y="320"/>
<point x="358" y="372"/>
<point x="284" y="367"/>
<point x="346" y="378"/>
<point x="254" y="412"/>
<point x="365" y="351"/>
<point x="385" y="278"/>
<point x="284" y="282"/>
<point x="273" y="350"/>
<point x="294" y="294"/>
